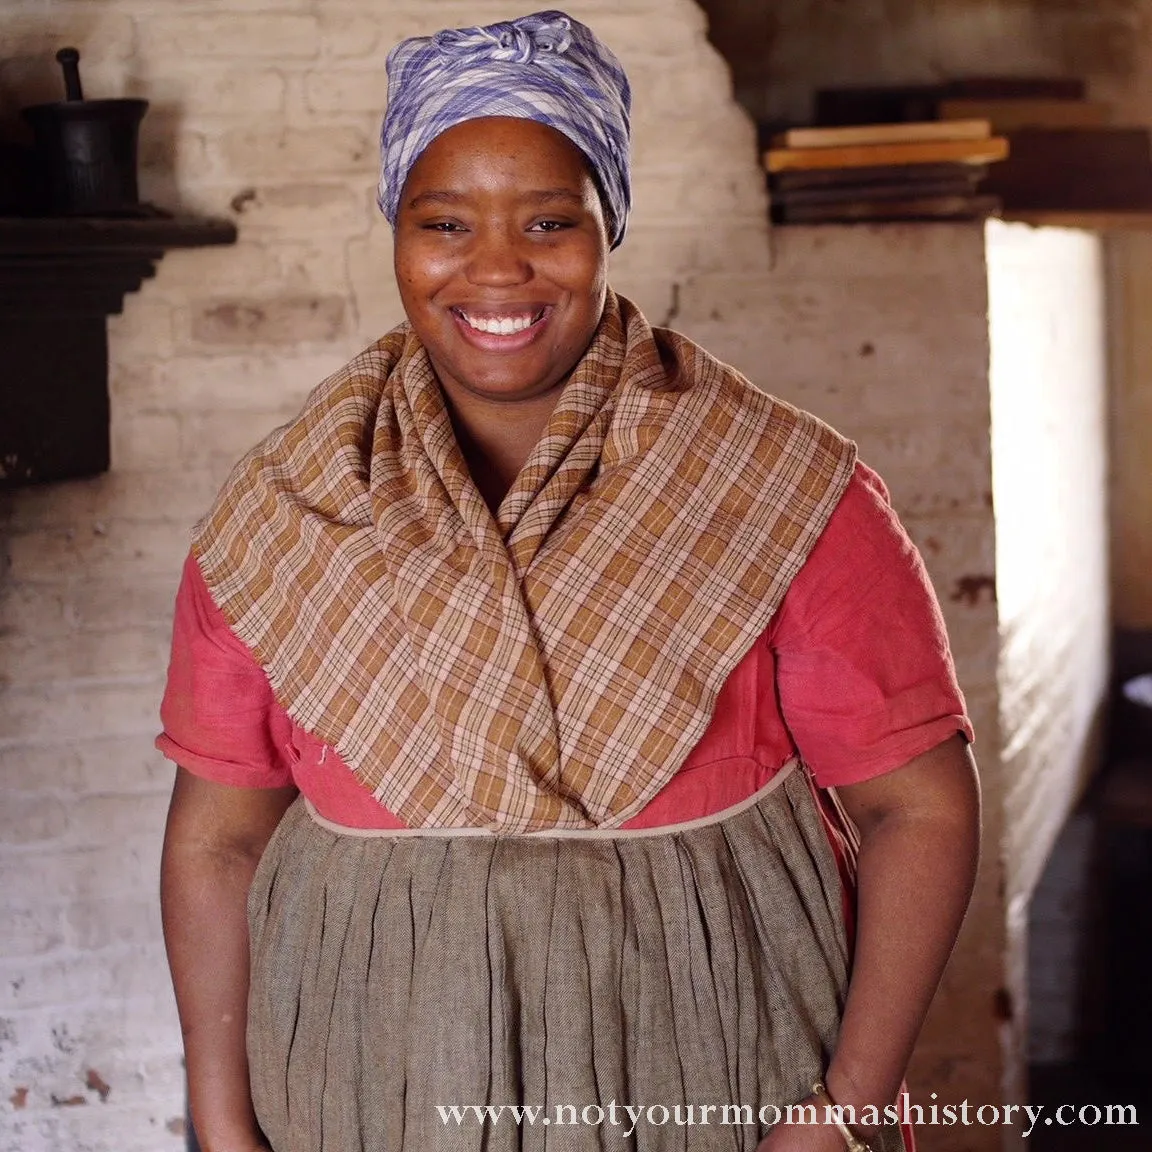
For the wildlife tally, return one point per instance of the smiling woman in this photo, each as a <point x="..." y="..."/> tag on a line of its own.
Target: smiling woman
<point x="561" y="721"/>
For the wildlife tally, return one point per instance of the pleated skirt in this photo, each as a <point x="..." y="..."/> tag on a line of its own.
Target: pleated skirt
<point x="405" y="987"/>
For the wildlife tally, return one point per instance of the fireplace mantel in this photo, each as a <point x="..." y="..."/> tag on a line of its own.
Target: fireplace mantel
<point x="60" y="278"/>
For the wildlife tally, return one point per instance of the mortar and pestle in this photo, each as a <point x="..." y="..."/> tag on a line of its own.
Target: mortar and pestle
<point x="86" y="149"/>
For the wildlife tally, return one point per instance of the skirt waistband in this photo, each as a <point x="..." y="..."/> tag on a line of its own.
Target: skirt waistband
<point x="562" y="833"/>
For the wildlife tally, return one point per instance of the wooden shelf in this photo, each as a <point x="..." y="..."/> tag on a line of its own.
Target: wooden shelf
<point x="1110" y="221"/>
<point x="60" y="279"/>
<point x="21" y="235"/>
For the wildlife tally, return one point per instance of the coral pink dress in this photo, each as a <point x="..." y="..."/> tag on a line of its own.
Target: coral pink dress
<point x="853" y="677"/>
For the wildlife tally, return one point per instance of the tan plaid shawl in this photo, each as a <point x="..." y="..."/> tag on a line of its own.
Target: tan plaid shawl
<point x="549" y="667"/>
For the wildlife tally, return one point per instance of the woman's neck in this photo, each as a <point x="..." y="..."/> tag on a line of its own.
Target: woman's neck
<point x="496" y="438"/>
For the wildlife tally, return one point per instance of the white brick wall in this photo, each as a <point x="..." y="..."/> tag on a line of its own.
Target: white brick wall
<point x="268" y="111"/>
<point x="1049" y="413"/>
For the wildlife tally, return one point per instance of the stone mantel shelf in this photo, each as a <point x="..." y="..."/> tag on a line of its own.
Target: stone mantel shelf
<point x="60" y="279"/>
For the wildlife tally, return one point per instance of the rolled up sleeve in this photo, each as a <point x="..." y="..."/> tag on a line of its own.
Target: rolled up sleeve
<point x="865" y="677"/>
<point x="221" y="720"/>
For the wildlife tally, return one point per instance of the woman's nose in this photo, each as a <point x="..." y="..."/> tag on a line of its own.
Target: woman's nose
<point x="496" y="258"/>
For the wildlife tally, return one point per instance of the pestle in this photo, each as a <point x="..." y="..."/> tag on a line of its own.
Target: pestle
<point x="69" y="60"/>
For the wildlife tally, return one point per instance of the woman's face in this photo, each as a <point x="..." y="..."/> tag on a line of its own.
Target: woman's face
<point x="501" y="257"/>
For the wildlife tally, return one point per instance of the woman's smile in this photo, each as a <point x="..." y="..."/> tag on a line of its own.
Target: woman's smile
<point x="508" y="330"/>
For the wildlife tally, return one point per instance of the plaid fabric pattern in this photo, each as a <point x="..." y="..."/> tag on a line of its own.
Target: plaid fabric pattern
<point x="551" y="666"/>
<point x="545" y="67"/>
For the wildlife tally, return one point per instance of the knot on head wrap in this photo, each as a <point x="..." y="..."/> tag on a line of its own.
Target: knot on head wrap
<point x="546" y="67"/>
<point x="516" y="42"/>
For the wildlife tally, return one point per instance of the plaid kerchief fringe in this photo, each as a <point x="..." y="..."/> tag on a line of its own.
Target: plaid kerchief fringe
<point x="549" y="667"/>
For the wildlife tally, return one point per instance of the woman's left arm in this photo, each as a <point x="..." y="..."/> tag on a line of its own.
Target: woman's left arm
<point x="919" y="844"/>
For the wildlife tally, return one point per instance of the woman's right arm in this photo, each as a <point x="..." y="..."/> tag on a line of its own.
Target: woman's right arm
<point x="212" y="843"/>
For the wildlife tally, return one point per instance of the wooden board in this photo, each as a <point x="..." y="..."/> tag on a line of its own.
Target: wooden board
<point x="898" y="190"/>
<point x="907" y="174"/>
<point x="899" y="103"/>
<point x="1085" y="169"/>
<point x="955" y="129"/>
<point x="930" y="152"/>
<point x="1016" y="88"/>
<point x="1012" y="115"/>
<point x="1091" y="221"/>
<point x="912" y="208"/>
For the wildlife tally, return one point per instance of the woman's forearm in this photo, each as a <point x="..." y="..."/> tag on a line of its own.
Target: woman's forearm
<point x="917" y="865"/>
<point x="206" y="871"/>
<point x="206" y="931"/>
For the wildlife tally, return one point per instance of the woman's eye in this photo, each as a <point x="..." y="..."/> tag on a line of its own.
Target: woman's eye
<point x="447" y="226"/>
<point x="550" y="226"/>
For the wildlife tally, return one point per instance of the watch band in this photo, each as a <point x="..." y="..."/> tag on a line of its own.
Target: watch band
<point x="832" y="1112"/>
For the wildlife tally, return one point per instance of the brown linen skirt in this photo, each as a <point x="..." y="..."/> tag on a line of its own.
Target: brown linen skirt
<point x="584" y="974"/>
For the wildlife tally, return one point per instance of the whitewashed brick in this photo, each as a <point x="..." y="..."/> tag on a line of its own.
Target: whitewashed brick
<point x="144" y="440"/>
<point x="239" y="91"/>
<point x="331" y="149"/>
<point x="269" y="8"/>
<point x="75" y="709"/>
<point x="73" y="872"/>
<point x="639" y="36"/>
<point x="346" y="91"/>
<point x="62" y="980"/>
<point x="30" y="927"/>
<point x="243" y="266"/>
<point x="353" y="33"/>
<point x="31" y="821"/>
<point x="123" y="821"/>
<point x="245" y="35"/>
<point x="29" y="73"/>
<point x="145" y="324"/>
<point x="703" y="143"/>
<point x="90" y="765"/>
<point x="280" y="321"/>
<point x="232" y="382"/>
<point x="155" y="496"/>
<point x="35" y="32"/>
<point x="119" y="1128"/>
<point x="377" y="299"/>
<point x="225" y="436"/>
<point x="716" y="194"/>
<point x="95" y="924"/>
<point x="43" y="660"/>
<point x="660" y="92"/>
<point x="310" y="267"/>
<point x="33" y="611"/>
<point x="97" y="551"/>
<point x="168" y="144"/>
<point x="288" y="209"/>
<point x="101" y="606"/>
<point x="952" y="252"/>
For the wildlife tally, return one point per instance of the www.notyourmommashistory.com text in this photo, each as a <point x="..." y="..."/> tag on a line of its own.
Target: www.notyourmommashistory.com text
<point x="628" y="1117"/>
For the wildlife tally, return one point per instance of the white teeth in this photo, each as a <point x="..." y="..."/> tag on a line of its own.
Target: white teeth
<point x="498" y="325"/>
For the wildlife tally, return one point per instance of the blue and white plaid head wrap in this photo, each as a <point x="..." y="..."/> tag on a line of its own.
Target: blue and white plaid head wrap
<point x="545" y="67"/>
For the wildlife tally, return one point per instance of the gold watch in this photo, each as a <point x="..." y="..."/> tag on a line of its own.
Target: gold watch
<point x="832" y="1111"/>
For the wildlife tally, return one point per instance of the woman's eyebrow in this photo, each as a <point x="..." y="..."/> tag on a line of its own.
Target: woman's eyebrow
<point x="550" y="195"/>
<point x="436" y="197"/>
<point x="536" y="196"/>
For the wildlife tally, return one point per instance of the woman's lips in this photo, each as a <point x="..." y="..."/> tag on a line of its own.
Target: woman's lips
<point x="502" y="341"/>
